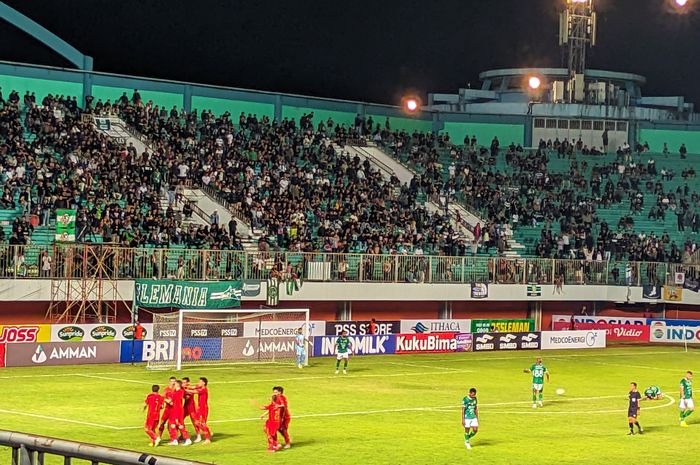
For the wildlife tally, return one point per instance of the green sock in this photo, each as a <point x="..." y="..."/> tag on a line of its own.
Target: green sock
<point x="337" y="364"/>
<point x="540" y="396"/>
<point x="683" y="415"/>
<point x="688" y="413"/>
<point x="467" y="436"/>
<point x="345" y="366"/>
<point x="534" y="397"/>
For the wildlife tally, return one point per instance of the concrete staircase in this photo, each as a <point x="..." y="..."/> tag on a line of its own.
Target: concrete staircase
<point x="467" y="219"/>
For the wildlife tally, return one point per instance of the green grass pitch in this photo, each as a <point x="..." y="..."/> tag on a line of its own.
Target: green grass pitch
<point x="387" y="410"/>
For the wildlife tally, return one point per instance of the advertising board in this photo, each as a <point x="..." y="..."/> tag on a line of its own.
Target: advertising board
<point x="503" y="326"/>
<point x="324" y="346"/>
<point x="97" y="332"/>
<point x="360" y="328"/>
<point x="61" y="353"/>
<point x="11" y="334"/>
<point x="426" y="343"/>
<point x="592" y="339"/>
<point x="614" y="332"/>
<point x="435" y="326"/>
<point x="282" y="328"/>
<point x="484" y="342"/>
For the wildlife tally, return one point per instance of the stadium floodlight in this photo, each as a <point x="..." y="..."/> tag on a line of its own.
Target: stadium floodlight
<point x="411" y="104"/>
<point x="534" y="82"/>
<point x="681" y="3"/>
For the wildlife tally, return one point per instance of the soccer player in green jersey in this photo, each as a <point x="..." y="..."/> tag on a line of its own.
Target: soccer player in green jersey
<point x="343" y="347"/>
<point x="539" y="372"/>
<point x="470" y="417"/>
<point x="653" y="393"/>
<point x="687" y="406"/>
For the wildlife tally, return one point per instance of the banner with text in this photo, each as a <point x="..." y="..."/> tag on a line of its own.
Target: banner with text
<point x="324" y="346"/>
<point x="187" y="295"/>
<point x="610" y="320"/>
<point x="435" y="326"/>
<point x="283" y="328"/>
<point x="334" y="328"/>
<point x="593" y="339"/>
<point x="11" y="334"/>
<point x="614" y="332"/>
<point x="97" y="332"/>
<point x="2" y="355"/>
<point x="61" y="353"/>
<point x="503" y="326"/>
<point x="426" y="343"/>
<point x="668" y="332"/>
<point x="257" y="348"/>
<point x="506" y="341"/>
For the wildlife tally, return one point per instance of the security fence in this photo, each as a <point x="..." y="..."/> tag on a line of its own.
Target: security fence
<point x="78" y="261"/>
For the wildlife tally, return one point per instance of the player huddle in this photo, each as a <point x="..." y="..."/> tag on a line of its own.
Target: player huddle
<point x="177" y="403"/>
<point x="277" y="421"/>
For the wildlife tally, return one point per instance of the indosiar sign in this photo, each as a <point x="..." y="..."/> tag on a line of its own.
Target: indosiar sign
<point x="324" y="346"/>
<point x="502" y="326"/>
<point x="668" y="332"/>
<point x="593" y="339"/>
<point x="188" y="295"/>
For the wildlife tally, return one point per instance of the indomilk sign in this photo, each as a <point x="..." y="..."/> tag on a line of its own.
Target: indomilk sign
<point x="361" y="345"/>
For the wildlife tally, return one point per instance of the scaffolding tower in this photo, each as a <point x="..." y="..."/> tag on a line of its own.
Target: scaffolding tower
<point x="85" y="289"/>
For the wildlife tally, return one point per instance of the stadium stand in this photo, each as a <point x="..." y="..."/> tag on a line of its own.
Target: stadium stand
<point x="299" y="190"/>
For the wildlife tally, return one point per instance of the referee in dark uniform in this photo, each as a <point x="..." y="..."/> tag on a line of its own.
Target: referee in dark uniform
<point x="633" y="409"/>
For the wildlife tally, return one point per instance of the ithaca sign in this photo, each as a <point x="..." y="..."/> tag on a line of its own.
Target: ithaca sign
<point x="188" y="295"/>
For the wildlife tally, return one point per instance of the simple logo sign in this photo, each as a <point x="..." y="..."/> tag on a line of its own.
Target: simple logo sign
<point x="574" y="339"/>
<point x="39" y="355"/>
<point x="18" y="334"/>
<point x="248" y="350"/>
<point x="484" y="342"/>
<point x="507" y="341"/>
<point x="103" y="333"/>
<point x="591" y="337"/>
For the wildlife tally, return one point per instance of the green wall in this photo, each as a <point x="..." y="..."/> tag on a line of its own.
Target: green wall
<point x="42" y="87"/>
<point x="339" y="117"/>
<point x="166" y="99"/>
<point x="485" y="132"/>
<point x="220" y="106"/>
<point x="674" y="138"/>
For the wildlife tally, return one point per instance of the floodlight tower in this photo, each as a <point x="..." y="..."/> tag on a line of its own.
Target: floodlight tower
<point x="577" y="32"/>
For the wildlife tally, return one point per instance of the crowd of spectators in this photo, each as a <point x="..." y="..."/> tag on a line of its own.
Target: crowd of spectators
<point x="291" y="184"/>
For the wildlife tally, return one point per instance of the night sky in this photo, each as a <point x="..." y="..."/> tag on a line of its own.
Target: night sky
<point x="361" y="50"/>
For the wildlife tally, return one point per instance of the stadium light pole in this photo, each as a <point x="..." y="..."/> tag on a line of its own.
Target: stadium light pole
<point x="411" y="104"/>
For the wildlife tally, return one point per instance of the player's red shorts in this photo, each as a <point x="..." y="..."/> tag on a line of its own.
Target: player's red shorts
<point x="151" y="424"/>
<point x="190" y="411"/>
<point x="285" y="423"/>
<point x="203" y="414"/>
<point x="166" y="415"/>
<point x="272" y="427"/>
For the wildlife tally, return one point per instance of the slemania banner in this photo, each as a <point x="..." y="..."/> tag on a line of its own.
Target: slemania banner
<point x="187" y="295"/>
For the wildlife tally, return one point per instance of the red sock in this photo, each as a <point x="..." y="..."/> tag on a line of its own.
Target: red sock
<point x="172" y="432"/>
<point x="285" y="433"/>
<point x="184" y="432"/>
<point x="205" y="429"/>
<point x="151" y="434"/>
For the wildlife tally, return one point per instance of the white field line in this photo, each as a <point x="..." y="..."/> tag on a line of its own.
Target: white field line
<point x="64" y="420"/>
<point x="670" y="402"/>
<point x="421" y="366"/>
<point x="645" y="367"/>
<point x="361" y="361"/>
<point x="108" y="378"/>
<point x="442" y="409"/>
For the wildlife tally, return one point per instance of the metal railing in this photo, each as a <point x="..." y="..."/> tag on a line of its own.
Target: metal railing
<point x="103" y="261"/>
<point x="28" y="449"/>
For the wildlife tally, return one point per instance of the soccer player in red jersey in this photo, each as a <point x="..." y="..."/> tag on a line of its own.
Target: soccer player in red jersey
<point x="154" y="403"/>
<point x="272" y="425"/>
<point x="202" y="392"/>
<point x="190" y="406"/>
<point x="286" y="416"/>
<point x="166" y="411"/>
<point x="176" y="424"/>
